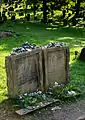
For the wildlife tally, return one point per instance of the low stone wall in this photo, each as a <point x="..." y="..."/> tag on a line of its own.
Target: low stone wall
<point x="38" y="69"/>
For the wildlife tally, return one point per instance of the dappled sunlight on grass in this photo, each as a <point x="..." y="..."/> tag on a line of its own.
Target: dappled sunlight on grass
<point x="41" y="35"/>
<point x="65" y="38"/>
<point x="77" y="74"/>
<point x="3" y="84"/>
<point x="72" y="52"/>
<point x="51" y="28"/>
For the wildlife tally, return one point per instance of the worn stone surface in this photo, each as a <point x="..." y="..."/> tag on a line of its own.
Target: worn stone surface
<point x="24" y="72"/>
<point x="39" y="68"/>
<point x="56" y="65"/>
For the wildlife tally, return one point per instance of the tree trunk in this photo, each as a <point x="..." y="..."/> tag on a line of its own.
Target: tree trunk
<point x="34" y="11"/>
<point x="44" y="11"/>
<point x="77" y="7"/>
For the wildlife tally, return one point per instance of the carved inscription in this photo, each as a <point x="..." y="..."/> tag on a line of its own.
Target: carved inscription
<point x="22" y="80"/>
<point x="56" y="66"/>
<point x="37" y="69"/>
<point x="26" y="70"/>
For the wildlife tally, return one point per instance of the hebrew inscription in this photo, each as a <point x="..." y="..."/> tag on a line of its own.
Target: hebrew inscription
<point x="55" y="66"/>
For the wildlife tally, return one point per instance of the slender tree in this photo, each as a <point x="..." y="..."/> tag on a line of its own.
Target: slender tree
<point x="44" y="11"/>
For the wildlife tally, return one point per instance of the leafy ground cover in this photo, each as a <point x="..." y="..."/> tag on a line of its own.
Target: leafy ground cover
<point x="42" y="34"/>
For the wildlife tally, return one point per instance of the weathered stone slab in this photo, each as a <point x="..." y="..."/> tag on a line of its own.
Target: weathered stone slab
<point x="39" y="68"/>
<point x="25" y="111"/>
<point x="24" y="72"/>
<point x="56" y="63"/>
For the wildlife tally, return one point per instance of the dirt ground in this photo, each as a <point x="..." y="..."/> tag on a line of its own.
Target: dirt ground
<point x="54" y="112"/>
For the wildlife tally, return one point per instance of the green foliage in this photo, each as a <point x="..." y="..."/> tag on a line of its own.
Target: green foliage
<point x="61" y="93"/>
<point x="32" y="99"/>
<point x="46" y="10"/>
<point x="66" y="93"/>
<point x="42" y="34"/>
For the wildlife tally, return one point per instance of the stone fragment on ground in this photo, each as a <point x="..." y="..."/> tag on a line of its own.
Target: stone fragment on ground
<point x="5" y="34"/>
<point x="81" y="117"/>
<point x="30" y="109"/>
<point x="56" y="108"/>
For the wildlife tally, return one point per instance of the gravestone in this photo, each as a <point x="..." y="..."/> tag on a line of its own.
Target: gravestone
<point x="38" y="68"/>
<point x="82" y="55"/>
<point x="24" y="72"/>
<point x="56" y="63"/>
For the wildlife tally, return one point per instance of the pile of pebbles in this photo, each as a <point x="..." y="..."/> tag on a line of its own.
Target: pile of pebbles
<point x="29" y="47"/>
<point x="57" y="44"/>
<point x="24" y="47"/>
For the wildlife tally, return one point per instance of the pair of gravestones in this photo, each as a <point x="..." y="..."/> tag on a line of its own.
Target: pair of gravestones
<point x="36" y="69"/>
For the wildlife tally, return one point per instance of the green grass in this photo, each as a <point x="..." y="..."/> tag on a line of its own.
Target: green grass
<point x="42" y="34"/>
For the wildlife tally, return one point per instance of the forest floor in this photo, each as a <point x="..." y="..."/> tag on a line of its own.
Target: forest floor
<point x="71" y="111"/>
